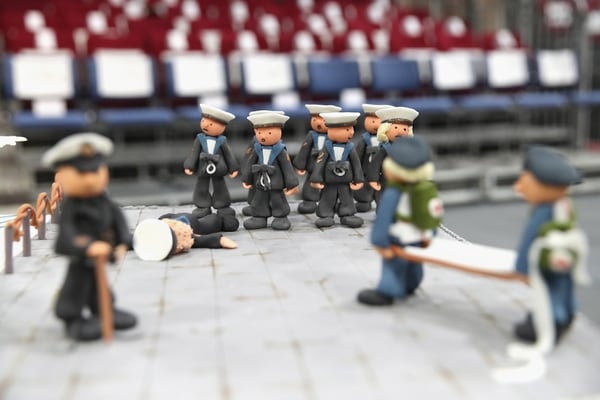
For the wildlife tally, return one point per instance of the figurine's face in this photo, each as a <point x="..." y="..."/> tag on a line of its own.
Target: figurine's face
<point x="340" y="134"/>
<point x="268" y="135"/>
<point x="396" y="130"/>
<point x="317" y="123"/>
<point x="212" y="127"/>
<point x="372" y="123"/>
<point x="536" y="192"/>
<point x="77" y="184"/>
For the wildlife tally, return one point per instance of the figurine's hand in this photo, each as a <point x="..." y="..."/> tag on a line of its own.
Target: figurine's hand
<point x="119" y="252"/>
<point x="425" y="243"/>
<point x="375" y="185"/>
<point x="188" y="171"/>
<point x="317" y="185"/>
<point x="246" y="185"/>
<point x="301" y="171"/>
<point x="385" y="252"/>
<point x="234" y="174"/>
<point x="227" y="243"/>
<point x="99" y="249"/>
<point x="289" y="192"/>
<point x="356" y="186"/>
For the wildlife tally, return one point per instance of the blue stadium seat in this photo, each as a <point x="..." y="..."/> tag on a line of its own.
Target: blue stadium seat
<point x="330" y="77"/>
<point x="393" y="76"/>
<point x="49" y="81"/>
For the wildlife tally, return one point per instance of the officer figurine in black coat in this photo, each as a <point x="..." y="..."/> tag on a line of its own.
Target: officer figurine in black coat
<point x="337" y="171"/>
<point x="268" y="169"/>
<point x="305" y="158"/>
<point x="91" y="226"/>
<point x="211" y="159"/>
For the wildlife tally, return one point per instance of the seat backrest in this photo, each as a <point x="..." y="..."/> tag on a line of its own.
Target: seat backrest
<point x="557" y="68"/>
<point x="507" y="68"/>
<point x="394" y="73"/>
<point x="453" y="70"/>
<point x="329" y="76"/>
<point x="267" y="73"/>
<point x="121" y="74"/>
<point x="195" y="74"/>
<point x="33" y="76"/>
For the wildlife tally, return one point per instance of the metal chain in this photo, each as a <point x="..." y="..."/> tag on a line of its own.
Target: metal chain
<point x="452" y="234"/>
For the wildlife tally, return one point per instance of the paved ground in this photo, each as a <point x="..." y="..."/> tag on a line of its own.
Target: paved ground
<point x="277" y="319"/>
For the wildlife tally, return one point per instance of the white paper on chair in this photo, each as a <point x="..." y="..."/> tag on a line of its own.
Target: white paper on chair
<point x="267" y="73"/>
<point x="42" y="75"/>
<point x="124" y="74"/>
<point x="474" y="257"/>
<point x="507" y="68"/>
<point x="453" y="70"/>
<point x="196" y="74"/>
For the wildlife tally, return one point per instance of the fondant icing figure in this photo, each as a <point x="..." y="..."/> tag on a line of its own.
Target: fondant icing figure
<point x="270" y="172"/>
<point x="337" y="172"/>
<point x="91" y="226"/>
<point x="552" y="248"/>
<point x="211" y="159"/>
<point x="170" y="234"/>
<point x="408" y="213"/>
<point x="304" y="161"/>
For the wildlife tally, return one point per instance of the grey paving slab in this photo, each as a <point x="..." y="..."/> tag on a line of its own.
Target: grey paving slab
<point x="277" y="319"/>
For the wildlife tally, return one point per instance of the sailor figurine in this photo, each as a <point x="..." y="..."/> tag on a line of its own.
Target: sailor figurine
<point x="157" y="239"/>
<point x="211" y="159"/>
<point x="305" y="158"/>
<point x="269" y="171"/>
<point x="408" y="213"/>
<point x="91" y="226"/>
<point x="366" y="146"/>
<point x="337" y="172"/>
<point x="395" y="122"/>
<point x="552" y="249"/>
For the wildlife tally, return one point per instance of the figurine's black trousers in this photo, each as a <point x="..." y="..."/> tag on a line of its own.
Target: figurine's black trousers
<point x="266" y="203"/>
<point x="331" y="195"/>
<point x="79" y="290"/>
<point x="220" y="197"/>
<point x="309" y="193"/>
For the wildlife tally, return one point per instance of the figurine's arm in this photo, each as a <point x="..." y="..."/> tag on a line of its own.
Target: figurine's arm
<point x="358" y="177"/>
<point x="373" y="172"/>
<point x="290" y="179"/>
<point x="247" y="176"/>
<point x="233" y="167"/>
<point x="190" y="165"/>
<point x="539" y="216"/>
<point x="69" y="242"/>
<point x="317" y="177"/>
<point x="384" y="218"/>
<point x="301" y="159"/>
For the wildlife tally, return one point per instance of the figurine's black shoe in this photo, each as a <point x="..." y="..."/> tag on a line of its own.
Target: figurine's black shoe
<point x="324" y="222"/>
<point x="372" y="297"/>
<point x="352" y="221"/>
<point x="307" y="207"/>
<point x="255" y="223"/>
<point x="247" y="211"/>
<point x="363" y="206"/>
<point x="230" y="224"/>
<point x="281" y="224"/>
<point x="200" y="212"/>
<point x="526" y="330"/>
<point x="226" y="212"/>
<point x="123" y="320"/>
<point x="84" y="329"/>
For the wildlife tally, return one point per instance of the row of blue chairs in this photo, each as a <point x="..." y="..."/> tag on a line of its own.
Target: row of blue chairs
<point x="127" y="88"/>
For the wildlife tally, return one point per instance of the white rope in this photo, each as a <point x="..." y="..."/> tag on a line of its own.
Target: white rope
<point x="453" y="234"/>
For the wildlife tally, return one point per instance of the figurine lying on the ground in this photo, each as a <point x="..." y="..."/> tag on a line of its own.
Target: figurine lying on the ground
<point x="157" y="239"/>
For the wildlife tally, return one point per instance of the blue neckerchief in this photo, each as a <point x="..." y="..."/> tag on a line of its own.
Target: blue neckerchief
<point x="386" y="146"/>
<point x="202" y="138"/>
<point x="184" y="219"/>
<point x="347" y="149"/>
<point x="367" y="138"/>
<point x="315" y="137"/>
<point x="275" y="150"/>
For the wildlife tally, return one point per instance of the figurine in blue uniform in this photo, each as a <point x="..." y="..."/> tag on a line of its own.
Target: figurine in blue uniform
<point x="396" y="122"/>
<point x="305" y="158"/>
<point x="366" y="146"/>
<point x="544" y="184"/>
<point x="211" y="159"/>
<point x="269" y="171"/>
<point x="337" y="172"/>
<point x="408" y="213"/>
<point x="91" y="226"/>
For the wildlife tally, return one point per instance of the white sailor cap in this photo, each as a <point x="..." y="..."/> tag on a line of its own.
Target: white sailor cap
<point x="321" y="108"/>
<point x="85" y="151"/>
<point x="371" y="109"/>
<point x="216" y="113"/>
<point x="403" y="115"/>
<point x="335" y="119"/>
<point x="256" y="112"/>
<point x="264" y="119"/>
<point x="153" y="240"/>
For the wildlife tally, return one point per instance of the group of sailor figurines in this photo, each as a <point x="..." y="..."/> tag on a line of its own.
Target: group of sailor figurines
<point x="386" y="165"/>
